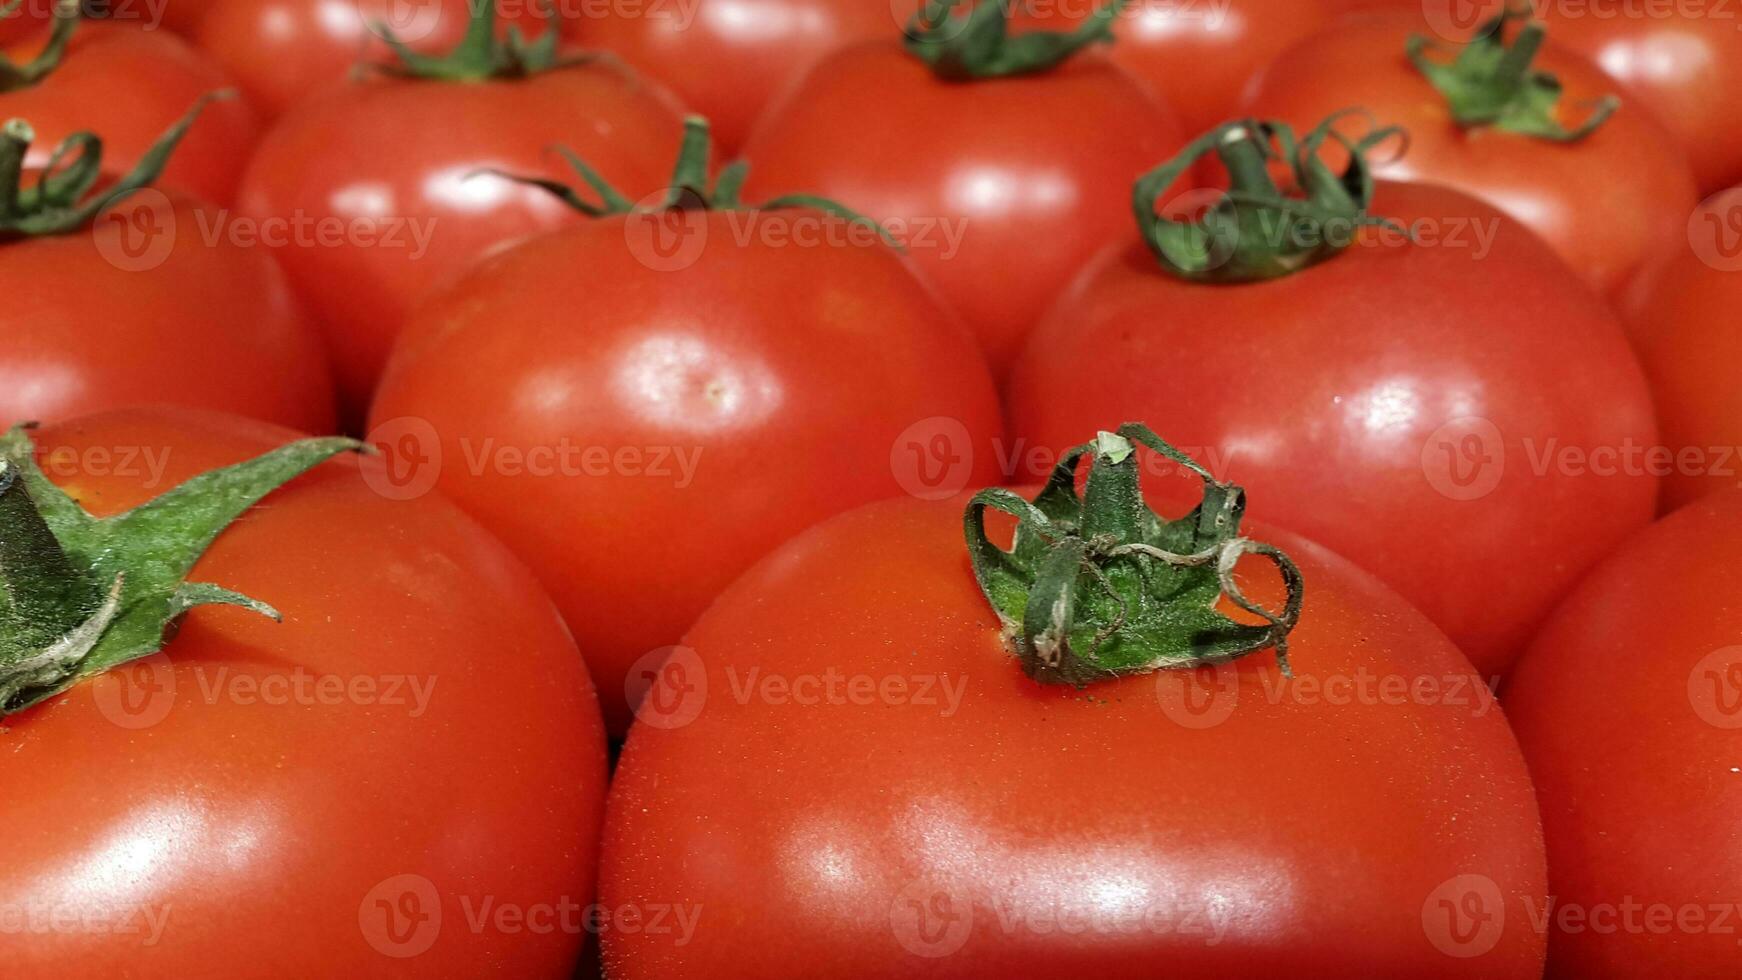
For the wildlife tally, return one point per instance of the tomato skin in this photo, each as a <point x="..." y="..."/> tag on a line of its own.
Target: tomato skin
<point x="811" y="822"/>
<point x="284" y="51"/>
<point x="1328" y="394"/>
<point x="394" y="153"/>
<point x="1200" y="56"/>
<point x="1029" y="171"/>
<point x="1609" y="203"/>
<point x="1626" y="706"/>
<point x="240" y="817"/>
<point x="729" y="58"/>
<point x="108" y="317"/>
<point x="1682" y="316"/>
<point x="97" y="89"/>
<point x="788" y="373"/>
<point x="29" y="19"/>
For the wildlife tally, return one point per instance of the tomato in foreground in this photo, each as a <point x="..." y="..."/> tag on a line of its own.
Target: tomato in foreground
<point x="1629" y="709"/>
<point x="416" y="741"/>
<point x="848" y="773"/>
<point x="1457" y="415"/>
<point x="130" y="84"/>
<point x="371" y="195"/>
<point x="642" y="424"/>
<point x="1610" y="192"/>
<point x="993" y="171"/>
<point x="118" y="299"/>
<point x="1683" y="318"/>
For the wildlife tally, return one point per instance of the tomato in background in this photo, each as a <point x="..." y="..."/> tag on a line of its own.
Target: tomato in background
<point x="937" y="813"/>
<point x="28" y="18"/>
<point x="1199" y="55"/>
<point x="418" y="732"/>
<point x="1005" y="186"/>
<point x="1629" y="710"/>
<point x="1610" y="202"/>
<point x="1395" y="402"/>
<point x="130" y="83"/>
<point x="398" y="158"/>
<point x="1683" y="318"/>
<point x="761" y="383"/>
<point x="727" y="59"/>
<point x="284" y="51"/>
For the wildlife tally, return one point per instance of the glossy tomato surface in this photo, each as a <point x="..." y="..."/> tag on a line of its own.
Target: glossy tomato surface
<point x="851" y="776"/>
<point x="1608" y="203"/>
<point x="642" y="428"/>
<point x="1199" y="55"/>
<point x="284" y="51"/>
<point x="1000" y="189"/>
<point x="728" y="59"/>
<point x="129" y="85"/>
<point x="371" y="195"/>
<point x="1629" y="709"/>
<point x="1460" y="417"/>
<point x="416" y="741"/>
<point x="1683" y="318"/>
<point x="156" y="303"/>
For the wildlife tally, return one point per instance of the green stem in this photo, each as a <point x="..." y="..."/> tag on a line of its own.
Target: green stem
<point x="1491" y="83"/>
<point x="979" y="44"/>
<point x="480" y="55"/>
<point x="1102" y="586"/>
<point x="14" y="76"/>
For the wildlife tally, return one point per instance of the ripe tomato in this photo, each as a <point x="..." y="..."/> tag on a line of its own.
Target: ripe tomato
<point x="373" y="199"/>
<point x="760" y="383"/>
<point x="284" y="51"/>
<point x="1608" y="202"/>
<point x="1199" y="54"/>
<point x="1629" y="708"/>
<point x="728" y="58"/>
<point x="418" y="732"/>
<point x="1367" y="402"/>
<point x="1683" y="62"/>
<point x="999" y="187"/>
<point x="852" y="775"/>
<point x="27" y="18"/>
<point x="156" y="303"/>
<point x="130" y="84"/>
<point x="1683" y="320"/>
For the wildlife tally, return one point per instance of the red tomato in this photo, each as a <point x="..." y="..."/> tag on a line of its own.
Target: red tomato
<point x="729" y="58"/>
<point x="1199" y="54"/>
<point x="932" y="811"/>
<point x="1002" y="188"/>
<point x="1683" y="318"/>
<point x="129" y="85"/>
<point x="372" y="195"/>
<point x="1366" y="402"/>
<point x="1608" y="203"/>
<point x="283" y="51"/>
<point x="419" y="730"/>
<point x="28" y="18"/>
<point x="156" y="303"/>
<point x="1629" y="708"/>
<point x="765" y="386"/>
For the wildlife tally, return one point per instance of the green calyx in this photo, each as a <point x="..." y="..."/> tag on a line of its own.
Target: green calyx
<point x="480" y="55"/>
<point x="978" y="44"/>
<point x="1492" y="83"/>
<point x="60" y="199"/>
<point x="690" y="189"/>
<point x="1102" y="587"/>
<point x="14" y="76"/>
<point x="1256" y="231"/>
<point x="79" y="595"/>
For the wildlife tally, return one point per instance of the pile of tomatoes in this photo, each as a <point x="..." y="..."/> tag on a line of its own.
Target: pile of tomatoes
<point x="836" y="488"/>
